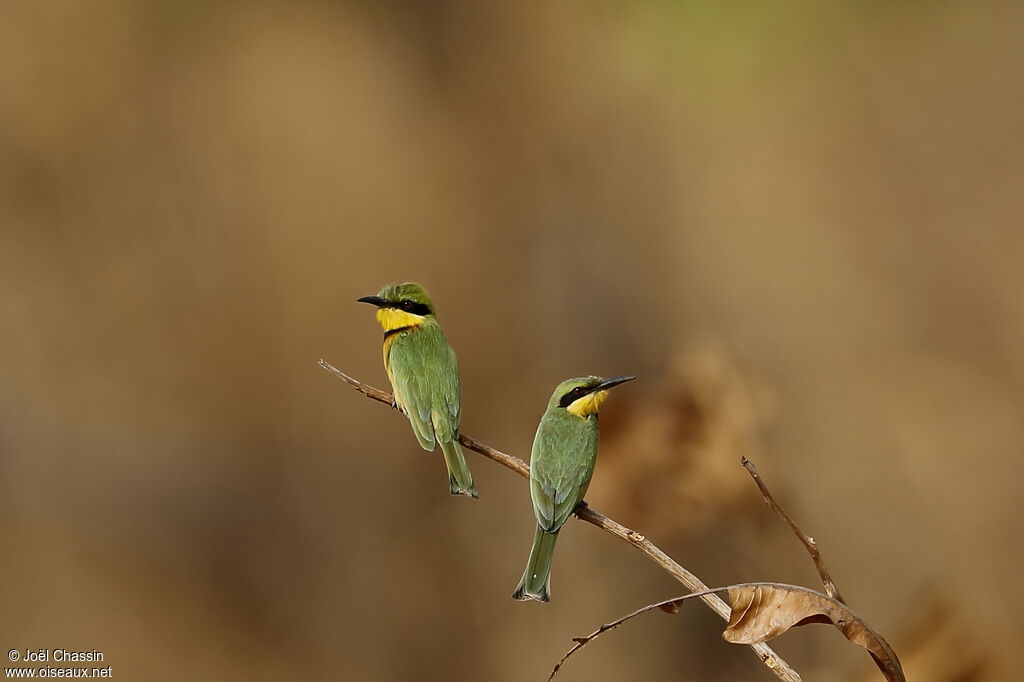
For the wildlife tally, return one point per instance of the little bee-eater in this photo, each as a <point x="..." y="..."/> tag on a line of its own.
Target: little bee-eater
<point x="424" y="374"/>
<point x="561" y="464"/>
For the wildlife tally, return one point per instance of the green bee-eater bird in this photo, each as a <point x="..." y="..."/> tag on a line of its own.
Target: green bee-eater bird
<point x="561" y="464"/>
<point x="424" y="374"/>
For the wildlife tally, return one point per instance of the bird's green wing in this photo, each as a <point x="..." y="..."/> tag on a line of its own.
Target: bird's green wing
<point x="447" y="396"/>
<point x="425" y="375"/>
<point x="561" y="464"/>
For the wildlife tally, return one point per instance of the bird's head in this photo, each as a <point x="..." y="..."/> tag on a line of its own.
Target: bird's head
<point x="401" y="305"/>
<point x="583" y="396"/>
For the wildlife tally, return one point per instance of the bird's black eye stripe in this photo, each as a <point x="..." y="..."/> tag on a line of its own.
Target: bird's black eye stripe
<point x="573" y="395"/>
<point x="413" y="307"/>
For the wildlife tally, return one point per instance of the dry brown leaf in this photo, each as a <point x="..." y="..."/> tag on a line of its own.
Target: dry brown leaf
<point x="765" y="611"/>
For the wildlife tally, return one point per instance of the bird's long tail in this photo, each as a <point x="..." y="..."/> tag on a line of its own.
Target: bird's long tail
<point x="536" y="581"/>
<point x="459" y="478"/>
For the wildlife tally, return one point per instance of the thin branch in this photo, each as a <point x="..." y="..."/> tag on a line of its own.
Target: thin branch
<point x="669" y="606"/>
<point x="771" y="621"/>
<point x="808" y="542"/>
<point x="585" y="513"/>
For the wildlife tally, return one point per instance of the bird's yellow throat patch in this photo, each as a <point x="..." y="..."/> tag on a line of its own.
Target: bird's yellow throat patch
<point x="588" y="404"/>
<point x="392" y="318"/>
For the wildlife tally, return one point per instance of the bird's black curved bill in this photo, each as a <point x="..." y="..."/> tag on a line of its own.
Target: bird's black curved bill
<point x="373" y="300"/>
<point x="614" y="381"/>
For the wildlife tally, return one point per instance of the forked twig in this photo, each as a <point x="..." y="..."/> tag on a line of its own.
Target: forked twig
<point x="765" y="610"/>
<point x="768" y="657"/>
<point x="669" y="606"/>
<point x="884" y="656"/>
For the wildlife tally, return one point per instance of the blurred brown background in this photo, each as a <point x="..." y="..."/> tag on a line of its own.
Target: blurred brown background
<point x="799" y="224"/>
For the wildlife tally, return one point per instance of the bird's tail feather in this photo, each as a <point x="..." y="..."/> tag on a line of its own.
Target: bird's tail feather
<point x="536" y="581"/>
<point x="459" y="477"/>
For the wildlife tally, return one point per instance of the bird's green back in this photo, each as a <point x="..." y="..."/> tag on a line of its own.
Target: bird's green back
<point x="425" y="375"/>
<point x="561" y="464"/>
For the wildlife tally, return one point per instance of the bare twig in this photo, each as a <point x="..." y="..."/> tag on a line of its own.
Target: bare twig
<point x="670" y="605"/>
<point x="770" y="659"/>
<point x="865" y="636"/>
<point x="812" y="548"/>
